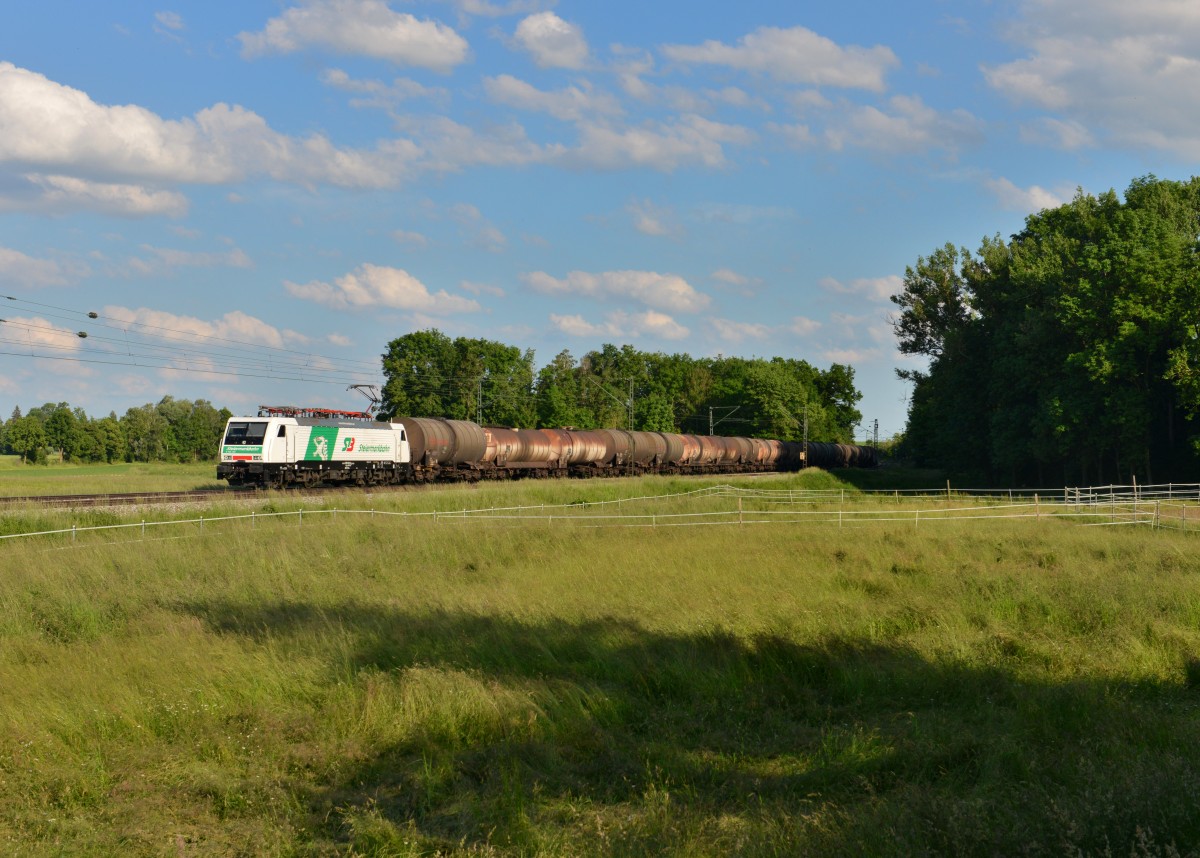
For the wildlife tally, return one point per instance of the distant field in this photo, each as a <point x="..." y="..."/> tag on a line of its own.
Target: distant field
<point x="397" y="687"/>
<point x="17" y="479"/>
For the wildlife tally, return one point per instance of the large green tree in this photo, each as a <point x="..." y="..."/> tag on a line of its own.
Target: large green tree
<point x="1067" y="352"/>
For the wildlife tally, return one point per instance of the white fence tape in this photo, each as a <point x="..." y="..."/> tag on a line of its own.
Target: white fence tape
<point x="1155" y="506"/>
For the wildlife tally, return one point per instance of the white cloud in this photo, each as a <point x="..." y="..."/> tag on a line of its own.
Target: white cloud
<point x="552" y="42"/>
<point x="730" y="277"/>
<point x="23" y="270"/>
<point x="878" y="289"/>
<point x="1113" y="68"/>
<point x="45" y="124"/>
<point x="376" y="93"/>
<point x="661" y="291"/>
<point x="802" y="327"/>
<point x="340" y="340"/>
<point x="649" y="219"/>
<point x="481" y="289"/>
<point x="486" y="9"/>
<point x="381" y="286"/>
<point x="54" y="194"/>
<point x="794" y="55"/>
<point x="170" y="20"/>
<point x="412" y="239"/>
<point x="620" y="323"/>
<point x="730" y="281"/>
<point x="184" y="329"/>
<point x="167" y="257"/>
<point x="1027" y="200"/>
<point x="570" y="104"/>
<point x="852" y="356"/>
<point x="909" y="125"/>
<point x="362" y="28"/>
<point x="39" y="336"/>
<point x="736" y="332"/>
<point x="1065" y="134"/>
<point x="449" y="146"/>
<point x="662" y="146"/>
<point x="479" y="231"/>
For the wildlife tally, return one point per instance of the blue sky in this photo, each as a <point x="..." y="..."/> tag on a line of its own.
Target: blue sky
<point x="254" y="198"/>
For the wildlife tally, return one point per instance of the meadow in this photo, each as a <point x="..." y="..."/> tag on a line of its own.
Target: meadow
<point x="365" y="685"/>
<point x="20" y="480"/>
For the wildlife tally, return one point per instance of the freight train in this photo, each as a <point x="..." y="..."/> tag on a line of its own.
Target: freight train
<point x="284" y="447"/>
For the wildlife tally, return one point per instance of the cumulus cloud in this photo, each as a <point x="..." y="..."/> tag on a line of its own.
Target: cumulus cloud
<point x="369" y="92"/>
<point x="168" y="257"/>
<point x="1065" y="134"/>
<point x="878" y="289"/>
<point x="481" y="289"/>
<point x="412" y="239"/>
<point x="907" y="125"/>
<point x="665" y="146"/>
<point x="570" y="104"/>
<point x="184" y="329"/>
<point x="479" y="231"/>
<point x="649" y="219"/>
<point x="55" y="349"/>
<point x="23" y="270"/>
<point x="619" y="324"/>
<point x="362" y="28"/>
<point x="552" y="42"/>
<point x="730" y="281"/>
<point x="1031" y="199"/>
<point x="44" y="124"/>
<point x="38" y="192"/>
<point x="371" y="286"/>
<point x="1115" y="68"/>
<point x="794" y="55"/>
<point x="487" y="9"/>
<point x="169" y="20"/>
<point x="803" y="327"/>
<point x="736" y="332"/>
<point x="661" y="291"/>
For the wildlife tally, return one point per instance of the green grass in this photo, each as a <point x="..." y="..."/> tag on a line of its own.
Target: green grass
<point x="383" y="687"/>
<point x="20" y="480"/>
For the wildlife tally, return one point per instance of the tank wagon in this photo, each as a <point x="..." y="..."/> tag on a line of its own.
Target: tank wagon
<point x="305" y="447"/>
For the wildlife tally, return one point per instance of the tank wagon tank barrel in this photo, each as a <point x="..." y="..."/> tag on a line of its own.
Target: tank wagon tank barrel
<point x="291" y="446"/>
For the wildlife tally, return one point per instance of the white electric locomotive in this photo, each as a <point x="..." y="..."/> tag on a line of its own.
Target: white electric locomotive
<point x="292" y="446"/>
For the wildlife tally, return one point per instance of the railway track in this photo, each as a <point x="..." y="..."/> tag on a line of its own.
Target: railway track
<point x="122" y="498"/>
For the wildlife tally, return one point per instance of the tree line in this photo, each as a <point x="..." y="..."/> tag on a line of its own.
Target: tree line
<point x="1070" y="352"/>
<point x="174" y="430"/>
<point x="429" y="374"/>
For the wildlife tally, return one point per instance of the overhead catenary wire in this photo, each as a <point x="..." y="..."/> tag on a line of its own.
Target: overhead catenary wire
<point x="125" y="324"/>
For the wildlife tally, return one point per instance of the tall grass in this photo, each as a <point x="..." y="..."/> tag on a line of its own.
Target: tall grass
<point x="20" y="480"/>
<point x="385" y="687"/>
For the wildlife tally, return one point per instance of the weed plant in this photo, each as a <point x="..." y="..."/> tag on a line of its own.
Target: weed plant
<point x="382" y="686"/>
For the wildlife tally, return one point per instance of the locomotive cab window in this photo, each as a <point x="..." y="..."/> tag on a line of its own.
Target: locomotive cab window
<point x="246" y="433"/>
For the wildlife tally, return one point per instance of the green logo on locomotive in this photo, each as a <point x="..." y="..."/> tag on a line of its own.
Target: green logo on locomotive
<point x="321" y="444"/>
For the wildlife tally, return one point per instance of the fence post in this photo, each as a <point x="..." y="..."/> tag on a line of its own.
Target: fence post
<point x="143" y="528"/>
<point x="739" y="511"/>
<point x="72" y="533"/>
<point x="1156" y="513"/>
<point x="1037" y="508"/>
<point x="201" y="524"/>
<point x="253" y="520"/>
<point x="301" y="516"/>
<point x="916" y="518"/>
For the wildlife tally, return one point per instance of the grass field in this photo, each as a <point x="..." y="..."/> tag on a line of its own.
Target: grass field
<point x="20" y="480"/>
<point x="362" y="686"/>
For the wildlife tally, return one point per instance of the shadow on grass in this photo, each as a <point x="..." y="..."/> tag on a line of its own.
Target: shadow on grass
<point x="719" y="744"/>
